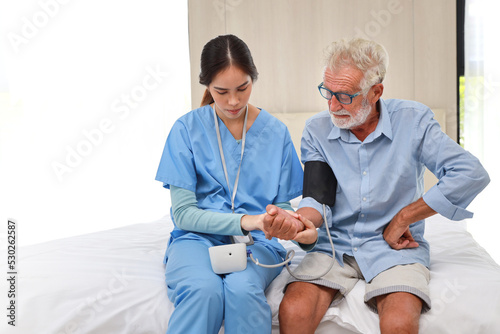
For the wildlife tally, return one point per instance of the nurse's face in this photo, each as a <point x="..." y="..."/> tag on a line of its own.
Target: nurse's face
<point x="231" y="91"/>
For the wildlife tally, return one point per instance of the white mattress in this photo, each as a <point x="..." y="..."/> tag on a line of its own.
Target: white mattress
<point x="113" y="282"/>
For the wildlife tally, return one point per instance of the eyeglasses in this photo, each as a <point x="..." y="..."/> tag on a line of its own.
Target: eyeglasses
<point x="343" y="98"/>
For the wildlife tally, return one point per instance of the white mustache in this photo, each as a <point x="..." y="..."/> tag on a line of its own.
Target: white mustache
<point x="340" y="113"/>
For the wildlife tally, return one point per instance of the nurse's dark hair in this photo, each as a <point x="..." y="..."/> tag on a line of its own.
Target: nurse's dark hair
<point x="218" y="55"/>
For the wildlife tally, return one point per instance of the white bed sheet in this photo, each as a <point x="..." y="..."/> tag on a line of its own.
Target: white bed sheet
<point x="113" y="282"/>
<point x="464" y="288"/>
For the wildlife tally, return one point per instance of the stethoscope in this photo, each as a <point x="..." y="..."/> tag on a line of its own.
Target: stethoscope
<point x="221" y="151"/>
<point x="291" y="253"/>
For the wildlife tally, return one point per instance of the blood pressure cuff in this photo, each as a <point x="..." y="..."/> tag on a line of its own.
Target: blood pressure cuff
<point x="319" y="182"/>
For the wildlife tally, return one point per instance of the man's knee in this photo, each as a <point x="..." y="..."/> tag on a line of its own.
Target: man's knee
<point x="304" y="302"/>
<point x="293" y="309"/>
<point x="400" y="324"/>
<point x="399" y="312"/>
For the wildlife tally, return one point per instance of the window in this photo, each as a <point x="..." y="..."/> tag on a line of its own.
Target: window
<point x="480" y="119"/>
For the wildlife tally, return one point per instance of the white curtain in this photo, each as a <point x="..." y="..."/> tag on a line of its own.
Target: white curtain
<point x="482" y="113"/>
<point x="88" y="93"/>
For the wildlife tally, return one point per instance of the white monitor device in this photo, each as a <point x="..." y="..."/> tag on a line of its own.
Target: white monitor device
<point x="228" y="258"/>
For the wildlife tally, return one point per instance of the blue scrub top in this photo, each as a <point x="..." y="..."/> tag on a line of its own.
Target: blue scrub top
<point x="270" y="172"/>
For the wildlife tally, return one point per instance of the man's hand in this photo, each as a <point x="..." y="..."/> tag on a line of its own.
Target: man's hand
<point x="397" y="233"/>
<point x="398" y="236"/>
<point x="281" y="224"/>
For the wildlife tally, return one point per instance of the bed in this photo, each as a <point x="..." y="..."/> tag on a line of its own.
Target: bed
<point x="113" y="282"/>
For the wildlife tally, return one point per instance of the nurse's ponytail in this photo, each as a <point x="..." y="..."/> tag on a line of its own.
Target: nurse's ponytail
<point x="219" y="54"/>
<point x="207" y="98"/>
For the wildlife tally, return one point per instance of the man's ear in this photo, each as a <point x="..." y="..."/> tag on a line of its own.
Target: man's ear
<point x="377" y="90"/>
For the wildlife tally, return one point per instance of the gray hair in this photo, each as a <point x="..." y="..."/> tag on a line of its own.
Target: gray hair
<point x="368" y="56"/>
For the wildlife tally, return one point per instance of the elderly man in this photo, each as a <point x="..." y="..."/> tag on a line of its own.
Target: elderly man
<point x="378" y="150"/>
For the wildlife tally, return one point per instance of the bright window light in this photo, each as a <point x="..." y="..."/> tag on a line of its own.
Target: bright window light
<point x="88" y="93"/>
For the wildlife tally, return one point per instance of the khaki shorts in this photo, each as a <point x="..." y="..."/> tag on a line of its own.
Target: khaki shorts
<point x="412" y="278"/>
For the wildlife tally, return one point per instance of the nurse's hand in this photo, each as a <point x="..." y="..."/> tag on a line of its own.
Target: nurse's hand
<point x="281" y="224"/>
<point x="252" y="222"/>
<point x="309" y="235"/>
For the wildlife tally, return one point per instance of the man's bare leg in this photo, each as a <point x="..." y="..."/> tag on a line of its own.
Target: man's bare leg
<point x="303" y="307"/>
<point x="399" y="312"/>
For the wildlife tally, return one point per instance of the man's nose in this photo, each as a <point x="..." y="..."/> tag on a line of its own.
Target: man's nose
<point x="334" y="104"/>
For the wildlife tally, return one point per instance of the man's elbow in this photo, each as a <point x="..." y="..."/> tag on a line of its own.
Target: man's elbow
<point x="483" y="179"/>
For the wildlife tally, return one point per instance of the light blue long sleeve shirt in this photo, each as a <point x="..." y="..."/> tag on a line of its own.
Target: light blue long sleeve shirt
<point x="383" y="174"/>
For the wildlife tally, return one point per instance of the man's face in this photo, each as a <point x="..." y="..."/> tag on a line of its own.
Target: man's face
<point x="347" y="80"/>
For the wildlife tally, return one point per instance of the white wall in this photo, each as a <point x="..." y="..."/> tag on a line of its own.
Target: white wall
<point x="90" y="90"/>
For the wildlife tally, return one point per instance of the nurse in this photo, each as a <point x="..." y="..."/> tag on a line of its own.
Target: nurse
<point x="224" y="163"/>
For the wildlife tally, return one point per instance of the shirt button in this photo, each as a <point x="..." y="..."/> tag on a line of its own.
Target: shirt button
<point x="364" y="199"/>
<point x="362" y="215"/>
<point x="355" y="249"/>
<point x="364" y="173"/>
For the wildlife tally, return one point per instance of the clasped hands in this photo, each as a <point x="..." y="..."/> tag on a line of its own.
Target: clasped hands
<point x="288" y="225"/>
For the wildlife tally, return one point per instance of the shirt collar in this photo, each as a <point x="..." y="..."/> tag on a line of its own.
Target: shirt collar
<point x="383" y="127"/>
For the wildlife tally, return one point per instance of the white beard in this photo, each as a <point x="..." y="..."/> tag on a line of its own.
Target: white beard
<point x="351" y="122"/>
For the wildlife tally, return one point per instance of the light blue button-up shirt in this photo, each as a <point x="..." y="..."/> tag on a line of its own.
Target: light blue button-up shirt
<point x="383" y="174"/>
